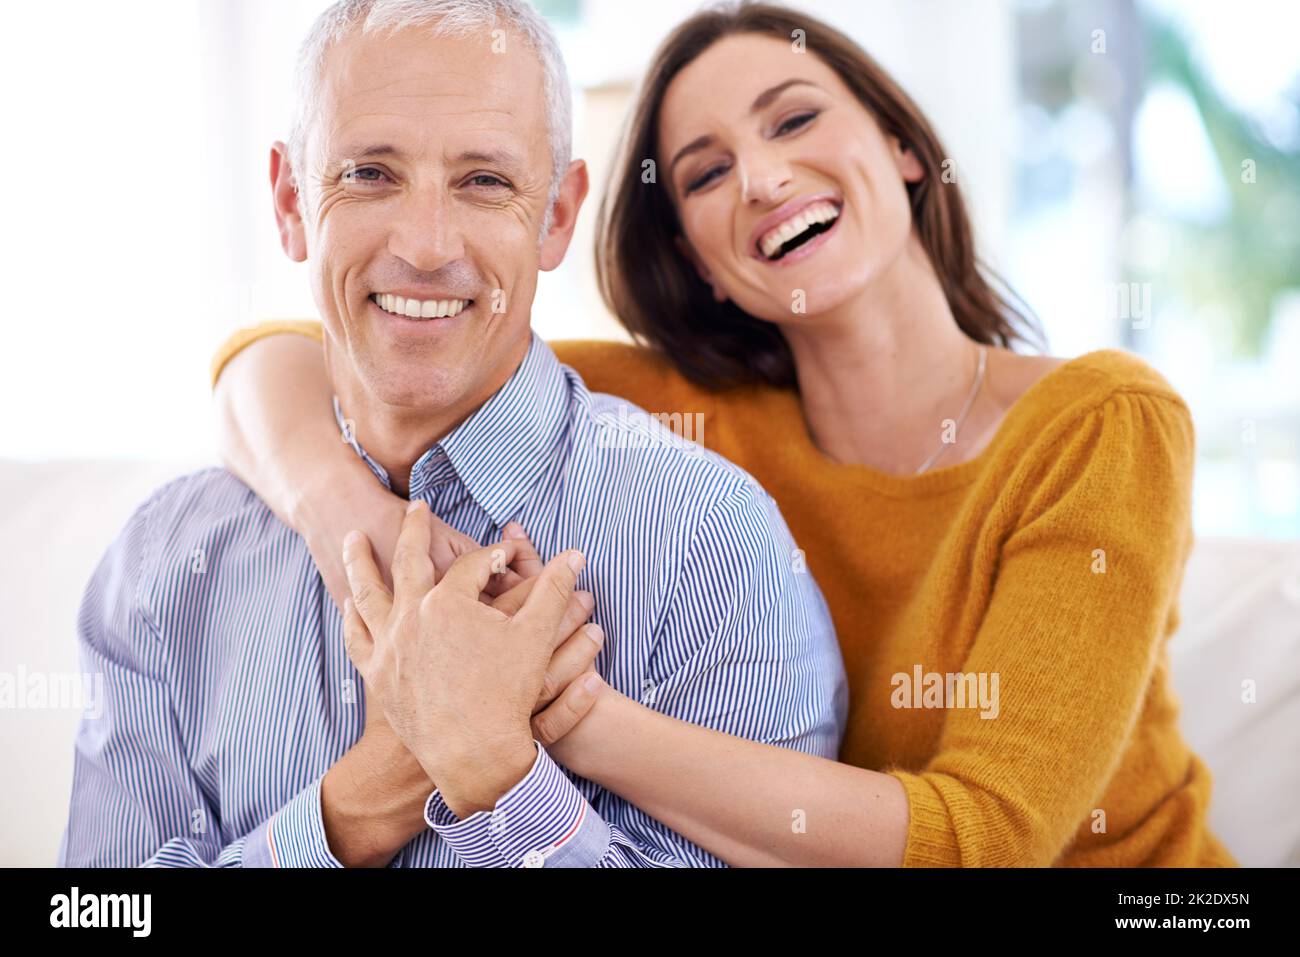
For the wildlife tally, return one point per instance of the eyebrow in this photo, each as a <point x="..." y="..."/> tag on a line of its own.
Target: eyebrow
<point x="379" y="149"/>
<point x="767" y="96"/>
<point x="763" y="100"/>
<point x="694" y="146"/>
<point x="501" y="157"/>
<point x="497" y="157"/>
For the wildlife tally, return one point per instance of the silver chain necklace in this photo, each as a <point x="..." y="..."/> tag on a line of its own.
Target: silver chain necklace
<point x="961" y="418"/>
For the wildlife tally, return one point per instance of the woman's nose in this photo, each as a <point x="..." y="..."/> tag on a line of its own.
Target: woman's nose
<point x="764" y="179"/>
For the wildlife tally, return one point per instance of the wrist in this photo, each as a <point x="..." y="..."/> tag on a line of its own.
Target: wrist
<point x="318" y="499"/>
<point x="592" y="748"/>
<point x="372" y="803"/>
<point x="477" y="782"/>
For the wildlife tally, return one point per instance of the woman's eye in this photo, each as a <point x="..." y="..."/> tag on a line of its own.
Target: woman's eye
<point x="794" y="123"/>
<point x="705" y="179"/>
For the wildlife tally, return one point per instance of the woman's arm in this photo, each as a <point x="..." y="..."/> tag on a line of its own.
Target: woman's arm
<point x="751" y="804"/>
<point x="276" y="431"/>
<point x="1073" y="652"/>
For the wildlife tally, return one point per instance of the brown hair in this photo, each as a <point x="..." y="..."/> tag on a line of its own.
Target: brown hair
<point x="658" y="295"/>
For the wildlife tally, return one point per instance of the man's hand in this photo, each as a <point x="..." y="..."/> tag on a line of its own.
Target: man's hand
<point x="324" y="518"/>
<point x="458" y="679"/>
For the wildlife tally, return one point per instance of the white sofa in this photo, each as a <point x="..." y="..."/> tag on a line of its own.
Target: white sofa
<point x="1241" y="610"/>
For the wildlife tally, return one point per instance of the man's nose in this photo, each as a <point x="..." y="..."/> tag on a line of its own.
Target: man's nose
<point x="765" y="178"/>
<point x="425" y="232"/>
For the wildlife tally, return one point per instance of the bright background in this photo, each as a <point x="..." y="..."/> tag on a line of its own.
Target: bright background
<point x="1105" y="146"/>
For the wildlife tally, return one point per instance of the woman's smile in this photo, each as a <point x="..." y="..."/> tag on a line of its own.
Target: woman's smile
<point x="796" y="231"/>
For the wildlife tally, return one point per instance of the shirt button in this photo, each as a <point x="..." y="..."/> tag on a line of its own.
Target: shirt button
<point x="534" y="859"/>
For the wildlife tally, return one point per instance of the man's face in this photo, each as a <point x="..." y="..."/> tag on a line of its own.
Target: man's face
<point x="426" y="184"/>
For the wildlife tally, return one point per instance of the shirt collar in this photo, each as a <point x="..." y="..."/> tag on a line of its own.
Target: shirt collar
<point x="500" y="451"/>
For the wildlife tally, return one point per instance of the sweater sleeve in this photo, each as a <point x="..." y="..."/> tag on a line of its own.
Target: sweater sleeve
<point x="1084" y="596"/>
<point x="616" y="367"/>
<point x="242" y="338"/>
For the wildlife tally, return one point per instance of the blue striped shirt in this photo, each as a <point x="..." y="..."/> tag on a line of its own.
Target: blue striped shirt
<point x="228" y="692"/>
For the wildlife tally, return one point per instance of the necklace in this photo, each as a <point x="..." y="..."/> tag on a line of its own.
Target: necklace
<point x="961" y="417"/>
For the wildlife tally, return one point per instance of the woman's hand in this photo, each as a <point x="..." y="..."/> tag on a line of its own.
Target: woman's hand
<point x="564" y="711"/>
<point x="324" y="519"/>
<point x="276" y="431"/>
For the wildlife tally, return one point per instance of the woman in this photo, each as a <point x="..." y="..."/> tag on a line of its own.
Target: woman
<point x="1009" y="526"/>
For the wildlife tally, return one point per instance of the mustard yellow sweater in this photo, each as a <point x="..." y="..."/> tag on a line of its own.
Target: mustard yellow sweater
<point x="1003" y="621"/>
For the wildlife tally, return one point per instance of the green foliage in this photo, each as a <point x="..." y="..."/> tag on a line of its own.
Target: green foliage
<point x="1240" y="264"/>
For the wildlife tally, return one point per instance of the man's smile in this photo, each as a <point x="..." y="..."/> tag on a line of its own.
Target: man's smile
<point x="411" y="308"/>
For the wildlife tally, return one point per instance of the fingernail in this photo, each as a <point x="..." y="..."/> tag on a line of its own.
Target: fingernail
<point x="587" y="600"/>
<point x="595" y="633"/>
<point x="592" y="682"/>
<point x="514" y="530"/>
<point x="576" y="561"/>
<point x="347" y="606"/>
<point x="414" y="506"/>
<point x="351" y="541"/>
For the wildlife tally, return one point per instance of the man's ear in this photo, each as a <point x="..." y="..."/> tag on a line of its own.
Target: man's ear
<point x="687" y="250"/>
<point x="564" y="216"/>
<point x="284" y="192"/>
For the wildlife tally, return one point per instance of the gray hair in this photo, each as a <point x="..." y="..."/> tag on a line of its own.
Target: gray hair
<point x="442" y="18"/>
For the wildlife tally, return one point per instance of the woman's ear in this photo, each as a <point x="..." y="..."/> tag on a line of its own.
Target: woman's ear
<point x="688" y="251"/>
<point x="909" y="167"/>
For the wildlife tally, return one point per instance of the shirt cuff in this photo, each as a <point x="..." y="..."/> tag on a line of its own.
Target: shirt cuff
<point x="293" y="836"/>
<point x="543" y="821"/>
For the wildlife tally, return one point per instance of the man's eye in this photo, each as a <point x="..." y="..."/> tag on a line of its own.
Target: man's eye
<point x="487" y="180"/>
<point x="365" y="174"/>
<point x="794" y="123"/>
<point x="705" y="178"/>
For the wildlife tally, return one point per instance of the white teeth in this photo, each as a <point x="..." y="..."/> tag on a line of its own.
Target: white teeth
<point x="820" y="212"/>
<point x="420" y="308"/>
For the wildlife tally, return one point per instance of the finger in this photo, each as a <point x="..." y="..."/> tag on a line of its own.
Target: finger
<point x="446" y="545"/>
<point x="373" y="599"/>
<point x="412" y="566"/>
<point x="527" y="563"/>
<point x="511" y="601"/>
<point x="499" y="585"/>
<point x="581" y="604"/>
<point x="571" y="659"/>
<point x="356" y="637"/>
<point x="574" y="704"/>
<point x="549" y="598"/>
<point x="469" y="574"/>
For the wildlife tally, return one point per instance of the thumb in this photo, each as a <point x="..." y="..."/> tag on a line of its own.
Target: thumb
<point x="356" y="637"/>
<point x="574" y="703"/>
<point x="546" y="603"/>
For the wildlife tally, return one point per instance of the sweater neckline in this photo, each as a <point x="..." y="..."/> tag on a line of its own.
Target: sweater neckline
<point x="801" y="449"/>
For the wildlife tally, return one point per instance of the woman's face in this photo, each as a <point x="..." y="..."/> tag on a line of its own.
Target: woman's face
<point x="790" y="197"/>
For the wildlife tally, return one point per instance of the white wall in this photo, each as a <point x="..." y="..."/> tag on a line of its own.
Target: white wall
<point x="137" y="228"/>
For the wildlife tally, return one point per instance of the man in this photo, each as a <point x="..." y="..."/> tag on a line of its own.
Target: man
<point x="426" y="182"/>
